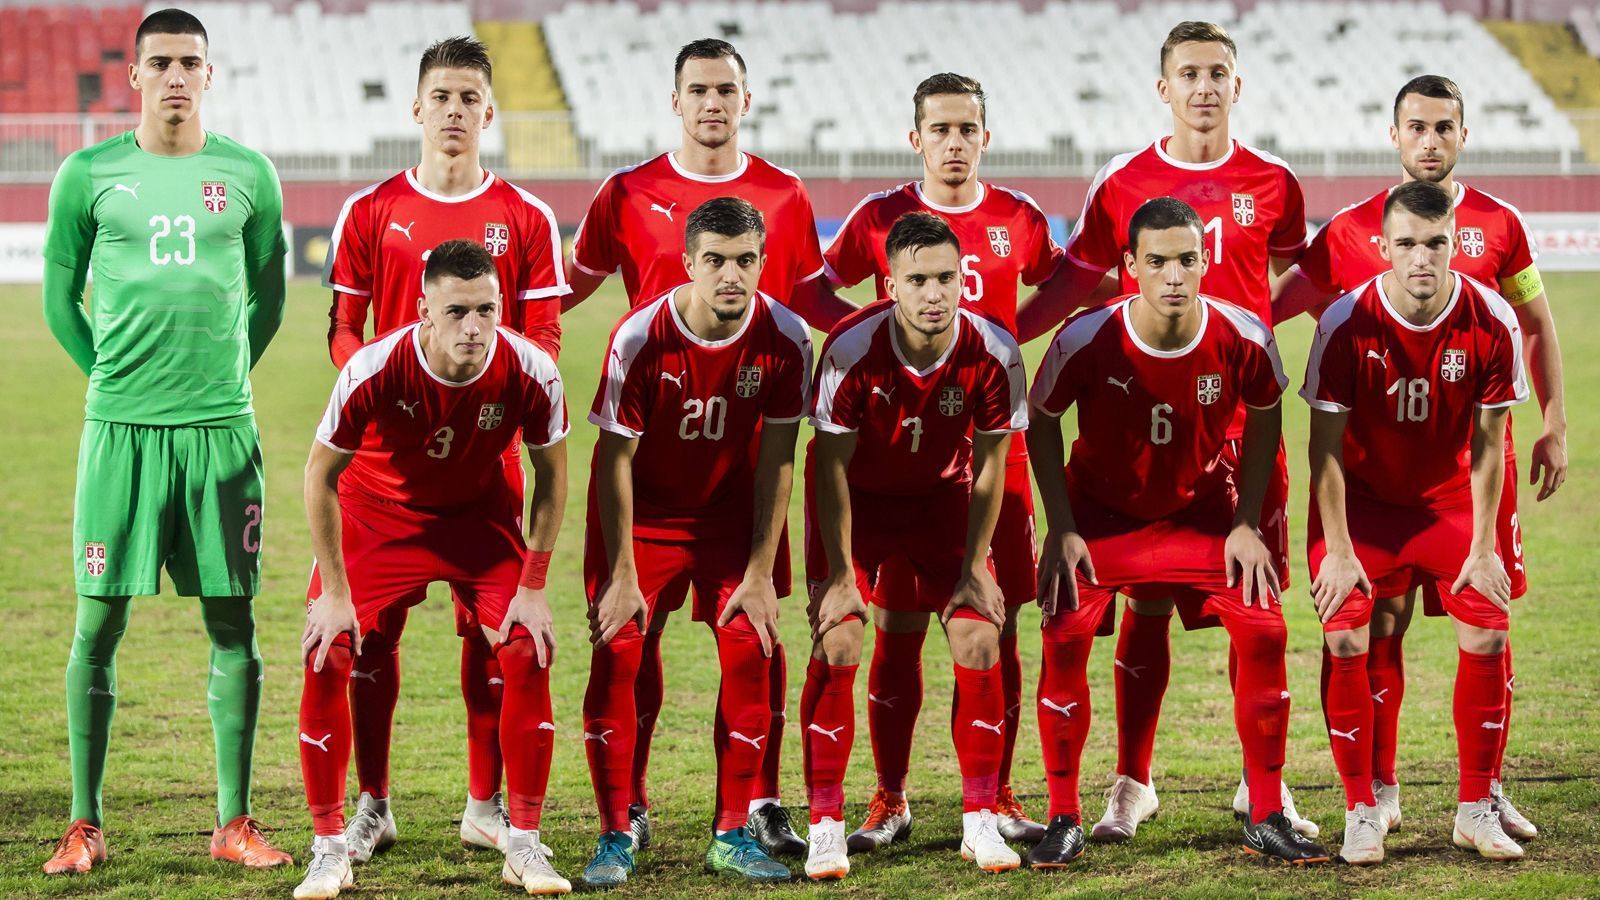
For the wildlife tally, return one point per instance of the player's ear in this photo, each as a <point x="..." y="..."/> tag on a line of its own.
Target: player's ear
<point x="1394" y="136"/>
<point x="422" y="309"/>
<point x="416" y="107"/>
<point x="676" y="109"/>
<point x="1131" y="264"/>
<point x="488" y="112"/>
<point x="1383" y="247"/>
<point x="1461" y="143"/>
<point x="744" y="110"/>
<point x="1163" y="90"/>
<point x="210" y="73"/>
<point x="133" y="75"/>
<point x="985" y="145"/>
<point x="1238" y="86"/>
<point x="688" y="265"/>
<point x="915" y="137"/>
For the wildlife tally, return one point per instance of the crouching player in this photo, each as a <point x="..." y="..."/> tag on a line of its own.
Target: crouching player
<point x="1410" y="380"/>
<point x="1144" y="508"/>
<point x="405" y="486"/>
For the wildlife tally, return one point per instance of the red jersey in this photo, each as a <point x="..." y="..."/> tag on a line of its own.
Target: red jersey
<point x="382" y="238"/>
<point x="914" y="426"/>
<point x="1249" y="200"/>
<point x="1413" y="391"/>
<point x="1153" y="424"/>
<point x="1493" y="246"/>
<point x="696" y="408"/>
<point x="1004" y="238"/>
<point x="636" y="221"/>
<point x="429" y="444"/>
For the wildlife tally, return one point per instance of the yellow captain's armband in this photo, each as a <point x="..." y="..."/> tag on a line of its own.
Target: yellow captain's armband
<point x="1522" y="287"/>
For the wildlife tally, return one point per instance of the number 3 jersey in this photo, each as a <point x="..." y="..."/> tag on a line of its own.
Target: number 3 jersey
<point x="1153" y="424"/>
<point x="696" y="407"/>
<point x="914" y="426"/>
<point x="170" y="243"/>
<point x="433" y="445"/>
<point x="1413" y="391"/>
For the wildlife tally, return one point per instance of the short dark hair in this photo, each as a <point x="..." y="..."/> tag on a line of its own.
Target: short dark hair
<point x="1196" y="33"/>
<point x="168" y="21"/>
<point x="1424" y="199"/>
<point x="725" y="216"/>
<point x="463" y="259"/>
<point x="916" y="230"/>
<point x="1436" y="86"/>
<point x="708" y="48"/>
<point x="950" y="83"/>
<point x="460" y="52"/>
<point x="1160" y="214"/>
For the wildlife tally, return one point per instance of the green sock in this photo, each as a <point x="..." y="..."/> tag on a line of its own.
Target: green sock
<point x="92" y="697"/>
<point x="233" y="696"/>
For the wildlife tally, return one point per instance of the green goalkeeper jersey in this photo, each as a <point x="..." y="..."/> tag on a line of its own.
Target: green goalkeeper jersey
<point x="175" y="246"/>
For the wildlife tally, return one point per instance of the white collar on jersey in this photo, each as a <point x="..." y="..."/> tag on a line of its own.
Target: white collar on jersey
<point x="1461" y="194"/>
<point x="953" y="210"/>
<point x="955" y="335"/>
<point x="744" y="163"/>
<point x="411" y="179"/>
<point x="488" y="358"/>
<point x="689" y="335"/>
<point x="1127" y="323"/>
<point x="1173" y="161"/>
<point x="1455" y="295"/>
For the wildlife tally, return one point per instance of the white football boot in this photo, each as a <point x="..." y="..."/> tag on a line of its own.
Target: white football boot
<point x="826" y="855"/>
<point x="981" y="843"/>
<point x="329" y="871"/>
<point x="528" y="866"/>
<point x="1514" y="823"/>
<point x="371" y="829"/>
<point x="1128" y="803"/>
<point x="1363" y="836"/>
<point x="484" y="824"/>
<point x="1388" y="804"/>
<point x="1478" y="828"/>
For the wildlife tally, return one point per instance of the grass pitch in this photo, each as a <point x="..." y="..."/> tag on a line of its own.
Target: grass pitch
<point x="160" y="785"/>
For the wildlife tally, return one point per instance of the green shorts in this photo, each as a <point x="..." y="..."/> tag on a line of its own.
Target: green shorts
<point x="185" y="498"/>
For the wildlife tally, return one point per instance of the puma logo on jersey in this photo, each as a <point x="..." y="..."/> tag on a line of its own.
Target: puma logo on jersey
<point x="754" y="742"/>
<point x="1378" y="697"/>
<point x="1047" y="703"/>
<point x="368" y="676"/>
<point x="1126" y="384"/>
<point x="319" y="744"/>
<point x="1347" y="735"/>
<point x="675" y="379"/>
<point x="1131" y="670"/>
<point x="664" y="210"/>
<point x="1495" y="726"/>
<point x="547" y="726"/>
<point x="887" y="395"/>
<point x="601" y="737"/>
<point x="100" y="692"/>
<point x="832" y="735"/>
<point x="1511" y="683"/>
<point x="406" y="230"/>
<point x="411" y="408"/>
<point x="1381" y="358"/>
<point x="131" y="191"/>
<point x="887" y="704"/>
<point x="996" y="727"/>
<point x="495" y="681"/>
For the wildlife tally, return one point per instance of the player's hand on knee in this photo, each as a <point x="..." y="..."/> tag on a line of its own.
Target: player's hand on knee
<point x="1062" y="556"/>
<point x="978" y="592"/>
<point x="1549" y="460"/>
<point x="1248" y="563"/>
<point x="841" y="599"/>
<point x="758" y="600"/>
<point x="531" y="610"/>
<point x="619" y="602"/>
<point x="1485" y="573"/>
<point x="1340" y="574"/>
<point x="330" y="615"/>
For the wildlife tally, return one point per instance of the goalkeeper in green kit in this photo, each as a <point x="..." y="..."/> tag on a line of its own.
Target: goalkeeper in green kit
<point x="183" y="232"/>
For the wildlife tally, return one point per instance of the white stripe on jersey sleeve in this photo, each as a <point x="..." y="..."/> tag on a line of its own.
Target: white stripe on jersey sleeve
<point x="560" y="288"/>
<point x="1502" y="310"/>
<point x="577" y="235"/>
<point x="1527" y="233"/>
<point x="624" y="351"/>
<point x="843" y="353"/>
<point x="1255" y="331"/>
<point x="338" y="234"/>
<point x="795" y="329"/>
<point x="1003" y="347"/>
<point x="1264" y="156"/>
<point x="365" y="363"/>
<point x="541" y="369"/>
<point x="1066" y="345"/>
<point x="1114" y="165"/>
<point x="1336" y="315"/>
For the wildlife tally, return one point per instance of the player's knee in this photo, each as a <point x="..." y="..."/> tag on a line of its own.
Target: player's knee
<point x="1261" y="643"/>
<point x="974" y="643"/>
<point x="1347" y="643"/>
<point x="339" y="661"/>
<point x="517" y="654"/>
<point x="841" y="646"/>
<point x="1482" y="641"/>
<point x="899" y="621"/>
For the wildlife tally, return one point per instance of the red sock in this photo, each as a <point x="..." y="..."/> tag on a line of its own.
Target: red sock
<point x="648" y="691"/>
<point x="609" y="724"/>
<point x="828" y="729"/>
<point x="1261" y="711"/>
<point x="766" y="783"/>
<point x="527" y="730"/>
<point x="977" y="723"/>
<point x="482" y="686"/>
<point x="374" y="691"/>
<point x="894" y="699"/>
<point x="1348" y="712"/>
<point x="325" y="738"/>
<point x="1505" y="733"/>
<point x="1480" y="716"/>
<point x="1063" y="710"/>
<point x="1386" y="679"/>
<point x="1011" y="692"/>
<point x="1143" y="665"/>
<point x="745" y="718"/>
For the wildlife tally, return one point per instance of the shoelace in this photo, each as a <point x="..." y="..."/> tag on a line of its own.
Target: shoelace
<point x="747" y="849"/>
<point x="324" y="863"/>
<point x="877" y="812"/>
<point x="367" y="824"/>
<point x="1368" y="821"/>
<point x="610" y="853"/>
<point x="780" y="819"/>
<point x="1118" y="796"/>
<point x="79" y="832"/>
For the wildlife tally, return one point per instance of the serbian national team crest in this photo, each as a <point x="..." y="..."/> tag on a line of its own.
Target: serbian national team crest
<point x="748" y="382"/>
<point x="1208" y="389"/>
<point x="215" y="195"/>
<point x="490" y="416"/>
<point x="94" y="558"/>
<point x="497" y="238"/>
<point x="1471" y="240"/>
<point x="1244" y="209"/>
<point x="1000" y="240"/>
<point x="952" y="400"/>
<point x="1454" y="365"/>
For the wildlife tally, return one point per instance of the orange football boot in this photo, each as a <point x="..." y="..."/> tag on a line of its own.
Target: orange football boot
<point x="78" y="851"/>
<point x="241" y="841"/>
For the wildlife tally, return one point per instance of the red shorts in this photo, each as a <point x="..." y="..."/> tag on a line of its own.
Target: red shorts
<point x="1274" y="521"/>
<point x="1178" y="557"/>
<point x="1402" y="547"/>
<point x="392" y="554"/>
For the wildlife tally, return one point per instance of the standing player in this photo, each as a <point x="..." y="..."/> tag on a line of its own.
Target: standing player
<point x="1493" y="247"/>
<point x="379" y="249"/>
<point x="1145" y="505"/>
<point x="1254" y="228"/>
<point x="915" y="400"/>
<point x="711" y="378"/>
<point x="1007" y="239"/>
<point x="183" y="230"/>
<point x="405" y="486"/>
<point x="636" y="224"/>
<point x="1410" y="380"/>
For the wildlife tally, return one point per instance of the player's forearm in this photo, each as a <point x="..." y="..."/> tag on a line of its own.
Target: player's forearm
<point x="815" y="301"/>
<point x="774" y="483"/>
<point x="347" y="325"/>
<point x="614" y="489"/>
<point x="545" y="330"/>
<point x="1262" y="430"/>
<point x="1070" y="287"/>
<point x="988" y="487"/>
<point x="833" y="502"/>
<point x="582" y="282"/>
<point x="1047" y="450"/>
<point x="322" y="515"/>
<point x="1294" y="294"/>
<point x="1542" y="353"/>
<point x="64" y="315"/>
<point x="1488" y="475"/>
<point x="265" y="308"/>
<point x="1327" y="478"/>
<point x="549" y="496"/>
